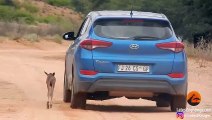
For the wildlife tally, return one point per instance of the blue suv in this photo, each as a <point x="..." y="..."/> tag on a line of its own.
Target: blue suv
<point x="123" y="53"/>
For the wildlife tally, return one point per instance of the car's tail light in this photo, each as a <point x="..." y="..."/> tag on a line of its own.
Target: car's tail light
<point x="176" y="75"/>
<point x="173" y="46"/>
<point x="88" y="72"/>
<point x="90" y="44"/>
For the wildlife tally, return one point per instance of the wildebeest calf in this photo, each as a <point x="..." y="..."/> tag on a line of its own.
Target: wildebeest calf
<point x="50" y="82"/>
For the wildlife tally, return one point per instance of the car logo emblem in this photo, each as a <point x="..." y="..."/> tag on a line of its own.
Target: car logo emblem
<point x="134" y="46"/>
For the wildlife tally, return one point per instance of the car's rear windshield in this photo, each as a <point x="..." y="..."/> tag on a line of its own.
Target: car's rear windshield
<point x="132" y="29"/>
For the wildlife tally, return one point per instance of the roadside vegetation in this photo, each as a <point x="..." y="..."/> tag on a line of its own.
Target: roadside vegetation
<point x="201" y="54"/>
<point x="188" y="17"/>
<point x="26" y="20"/>
<point x="49" y="19"/>
<point x="66" y="3"/>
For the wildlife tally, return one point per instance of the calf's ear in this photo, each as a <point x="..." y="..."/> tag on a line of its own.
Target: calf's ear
<point x="45" y="72"/>
<point x="53" y="73"/>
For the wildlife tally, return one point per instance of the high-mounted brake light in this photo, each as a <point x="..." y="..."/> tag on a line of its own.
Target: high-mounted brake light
<point x="176" y="75"/>
<point x="90" y="44"/>
<point x="88" y="72"/>
<point x="173" y="46"/>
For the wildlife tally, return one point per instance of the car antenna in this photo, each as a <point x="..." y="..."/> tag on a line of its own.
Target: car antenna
<point x="131" y="11"/>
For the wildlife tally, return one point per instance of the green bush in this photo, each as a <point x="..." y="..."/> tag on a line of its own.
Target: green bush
<point x="49" y="19"/>
<point x="25" y="13"/>
<point x="30" y="8"/>
<point x="56" y="20"/>
<point x="7" y="2"/>
<point x="59" y="2"/>
<point x="8" y="13"/>
<point x="23" y="16"/>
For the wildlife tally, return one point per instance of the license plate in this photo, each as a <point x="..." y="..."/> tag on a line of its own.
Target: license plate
<point x="133" y="68"/>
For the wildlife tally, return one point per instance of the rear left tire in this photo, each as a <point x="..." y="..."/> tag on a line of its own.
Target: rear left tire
<point x="78" y="99"/>
<point x="66" y="91"/>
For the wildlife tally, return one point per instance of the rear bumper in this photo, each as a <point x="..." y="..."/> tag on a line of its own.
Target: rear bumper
<point x="154" y="86"/>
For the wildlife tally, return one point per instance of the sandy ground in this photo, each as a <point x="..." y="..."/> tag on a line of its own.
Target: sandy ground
<point x="23" y="89"/>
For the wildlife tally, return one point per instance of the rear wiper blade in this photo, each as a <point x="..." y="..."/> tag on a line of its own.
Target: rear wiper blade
<point x="137" y="38"/>
<point x="143" y="37"/>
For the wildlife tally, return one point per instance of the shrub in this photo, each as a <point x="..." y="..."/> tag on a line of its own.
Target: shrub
<point x="7" y="2"/>
<point x="31" y="37"/>
<point x="55" y="38"/>
<point x="23" y="20"/>
<point x="50" y="19"/>
<point x="8" y="13"/>
<point x="201" y="54"/>
<point x="29" y="7"/>
<point x="59" y="2"/>
<point x="59" y="24"/>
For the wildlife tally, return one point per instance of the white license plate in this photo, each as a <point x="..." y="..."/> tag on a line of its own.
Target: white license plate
<point x="133" y="68"/>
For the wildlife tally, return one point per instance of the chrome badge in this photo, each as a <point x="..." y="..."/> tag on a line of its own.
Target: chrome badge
<point x="134" y="46"/>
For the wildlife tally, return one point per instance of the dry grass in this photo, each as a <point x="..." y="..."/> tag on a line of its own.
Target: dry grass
<point x="31" y="37"/>
<point x="56" y="38"/>
<point x="16" y="31"/>
<point x="6" y="29"/>
<point x="202" y="54"/>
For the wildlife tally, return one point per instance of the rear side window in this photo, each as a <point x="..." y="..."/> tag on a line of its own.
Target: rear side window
<point x="135" y="29"/>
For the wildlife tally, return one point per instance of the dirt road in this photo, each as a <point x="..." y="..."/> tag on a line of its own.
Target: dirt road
<point x="23" y="89"/>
